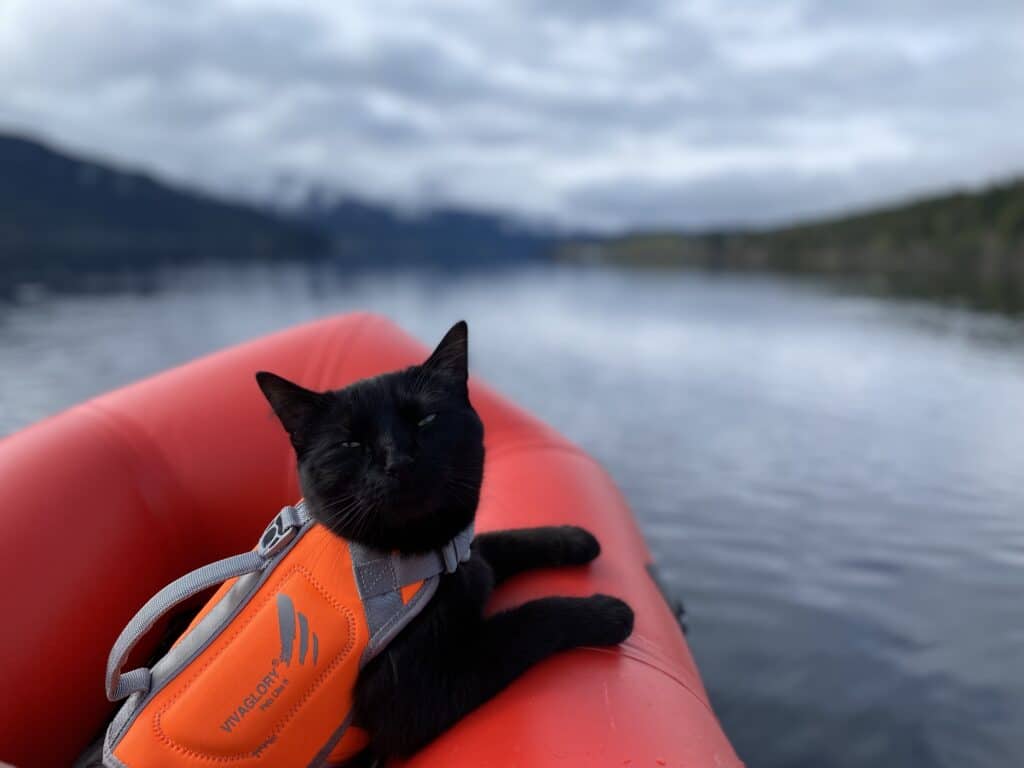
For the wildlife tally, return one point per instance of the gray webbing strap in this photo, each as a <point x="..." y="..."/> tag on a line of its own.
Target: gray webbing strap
<point x="121" y="685"/>
<point x="378" y="573"/>
<point x="412" y="568"/>
<point x="276" y="536"/>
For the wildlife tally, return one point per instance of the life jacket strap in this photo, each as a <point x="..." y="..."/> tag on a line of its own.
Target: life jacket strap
<point x="380" y="573"/>
<point x="275" y="538"/>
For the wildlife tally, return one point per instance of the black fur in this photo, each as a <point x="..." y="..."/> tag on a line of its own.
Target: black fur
<point x="396" y="462"/>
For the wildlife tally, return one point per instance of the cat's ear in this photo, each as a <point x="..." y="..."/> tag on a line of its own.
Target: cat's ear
<point x="295" y="406"/>
<point x="452" y="355"/>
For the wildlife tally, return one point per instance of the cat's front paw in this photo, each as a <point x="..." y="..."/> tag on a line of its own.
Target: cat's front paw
<point x="579" y="546"/>
<point x="609" y="621"/>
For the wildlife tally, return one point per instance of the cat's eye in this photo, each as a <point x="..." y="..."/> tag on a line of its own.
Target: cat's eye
<point x="427" y="419"/>
<point x="350" y="444"/>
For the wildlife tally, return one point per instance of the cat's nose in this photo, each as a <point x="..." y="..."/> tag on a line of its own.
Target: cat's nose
<point x="397" y="464"/>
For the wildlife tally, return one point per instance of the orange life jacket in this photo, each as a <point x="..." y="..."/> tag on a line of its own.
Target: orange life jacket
<point x="264" y="675"/>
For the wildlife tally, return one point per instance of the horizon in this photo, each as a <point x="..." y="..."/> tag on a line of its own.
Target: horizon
<point x="696" y="118"/>
<point x="337" y="198"/>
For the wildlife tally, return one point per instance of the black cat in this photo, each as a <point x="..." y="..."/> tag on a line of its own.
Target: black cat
<point x="395" y="462"/>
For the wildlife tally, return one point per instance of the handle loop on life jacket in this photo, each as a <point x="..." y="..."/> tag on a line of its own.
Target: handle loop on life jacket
<point x="277" y="535"/>
<point x="119" y="686"/>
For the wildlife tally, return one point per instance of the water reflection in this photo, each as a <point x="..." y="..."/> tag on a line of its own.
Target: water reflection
<point x="834" y="483"/>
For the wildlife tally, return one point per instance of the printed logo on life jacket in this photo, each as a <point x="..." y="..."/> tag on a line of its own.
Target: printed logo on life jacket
<point x="263" y="695"/>
<point x="272" y="684"/>
<point x="286" y="621"/>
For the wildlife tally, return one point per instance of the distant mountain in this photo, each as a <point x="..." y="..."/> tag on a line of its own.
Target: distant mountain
<point x="373" y="235"/>
<point x="64" y="215"/>
<point x="60" y="213"/>
<point x="967" y="245"/>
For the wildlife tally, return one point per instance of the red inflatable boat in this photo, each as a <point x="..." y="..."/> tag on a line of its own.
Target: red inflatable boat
<point x="106" y="503"/>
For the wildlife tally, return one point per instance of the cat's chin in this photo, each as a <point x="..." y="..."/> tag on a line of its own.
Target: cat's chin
<point x="411" y="530"/>
<point x="401" y="519"/>
<point x="422" y="531"/>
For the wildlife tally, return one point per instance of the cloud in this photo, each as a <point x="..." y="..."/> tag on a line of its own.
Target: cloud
<point x="601" y="114"/>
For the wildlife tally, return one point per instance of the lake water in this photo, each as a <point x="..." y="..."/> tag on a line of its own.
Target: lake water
<point x="835" y="484"/>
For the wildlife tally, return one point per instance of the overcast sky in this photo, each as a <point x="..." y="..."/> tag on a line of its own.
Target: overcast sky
<point x="608" y="113"/>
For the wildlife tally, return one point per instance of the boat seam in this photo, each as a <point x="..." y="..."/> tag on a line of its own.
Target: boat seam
<point x="633" y="654"/>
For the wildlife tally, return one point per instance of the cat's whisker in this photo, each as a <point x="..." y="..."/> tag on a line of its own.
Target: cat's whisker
<point x="343" y="516"/>
<point x="339" y="509"/>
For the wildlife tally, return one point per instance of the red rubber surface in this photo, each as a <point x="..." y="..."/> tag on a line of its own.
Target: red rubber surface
<point x="106" y="503"/>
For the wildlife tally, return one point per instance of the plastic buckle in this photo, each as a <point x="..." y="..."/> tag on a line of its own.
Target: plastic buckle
<point x="277" y="535"/>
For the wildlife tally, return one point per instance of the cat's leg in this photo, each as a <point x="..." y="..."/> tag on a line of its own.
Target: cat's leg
<point x="427" y="695"/>
<point x="523" y="549"/>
